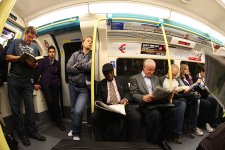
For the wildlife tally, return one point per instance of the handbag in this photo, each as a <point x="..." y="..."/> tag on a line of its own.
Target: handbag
<point x="191" y="97"/>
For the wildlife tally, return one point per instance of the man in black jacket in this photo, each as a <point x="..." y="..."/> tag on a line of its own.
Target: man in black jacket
<point x="102" y="119"/>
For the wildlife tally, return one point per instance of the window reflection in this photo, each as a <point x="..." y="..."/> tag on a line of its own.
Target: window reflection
<point x="193" y="67"/>
<point x="130" y="66"/>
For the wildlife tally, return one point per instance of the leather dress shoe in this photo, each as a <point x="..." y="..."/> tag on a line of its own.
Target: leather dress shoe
<point x="164" y="145"/>
<point x="61" y="126"/>
<point x="25" y="140"/>
<point x="176" y="138"/>
<point x="38" y="137"/>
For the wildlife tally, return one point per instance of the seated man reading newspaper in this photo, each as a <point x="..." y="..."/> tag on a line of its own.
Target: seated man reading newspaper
<point x="107" y="123"/>
<point x="159" y="120"/>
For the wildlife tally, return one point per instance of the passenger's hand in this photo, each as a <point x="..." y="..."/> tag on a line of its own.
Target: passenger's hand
<point x="123" y="101"/>
<point x="37" y="87"/>
<point x="198" y="81"/>
<point x="171" y="95"/>
<point x="148" y="98"/>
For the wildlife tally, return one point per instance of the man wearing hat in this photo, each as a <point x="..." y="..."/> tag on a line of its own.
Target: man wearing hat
<point x="111" y="90"/>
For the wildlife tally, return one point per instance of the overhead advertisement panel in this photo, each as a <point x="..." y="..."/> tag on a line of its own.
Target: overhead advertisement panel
<point x="153" y="49"/>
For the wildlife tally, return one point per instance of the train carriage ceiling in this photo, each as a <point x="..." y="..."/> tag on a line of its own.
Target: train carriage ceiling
<point x="209" y="12"/>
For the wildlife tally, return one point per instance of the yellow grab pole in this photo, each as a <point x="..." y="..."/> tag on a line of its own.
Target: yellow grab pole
<point x="5" y="9"/>
<point x="168" y="58"/>
<point x="94" y="47"/>
<point x="3" y="143"/>
<point x="212" y="45"/>
<point x="93" y="64"/>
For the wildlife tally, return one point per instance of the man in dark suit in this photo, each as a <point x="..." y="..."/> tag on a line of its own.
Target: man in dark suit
<point x="159" y="122"/>
<point x="101" y="118"/>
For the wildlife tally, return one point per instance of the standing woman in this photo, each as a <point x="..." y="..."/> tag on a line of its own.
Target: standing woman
<point x="48" y="78"/>
<point x="78" y="68"/>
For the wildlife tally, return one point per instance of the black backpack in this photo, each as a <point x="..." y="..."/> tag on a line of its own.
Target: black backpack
<point x="214" y="141"/>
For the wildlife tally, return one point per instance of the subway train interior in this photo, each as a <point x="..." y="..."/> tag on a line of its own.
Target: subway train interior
<point x="125" y="33"/>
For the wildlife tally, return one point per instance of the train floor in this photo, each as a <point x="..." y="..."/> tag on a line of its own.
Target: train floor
<point x="54" y="136"/>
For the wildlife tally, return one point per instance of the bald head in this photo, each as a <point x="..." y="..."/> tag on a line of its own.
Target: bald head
<point x="149" y="67"/>
<point x="174" y="70"/>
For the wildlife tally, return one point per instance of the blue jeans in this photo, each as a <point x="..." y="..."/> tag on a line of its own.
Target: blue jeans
<point x="180" y="106"/>
<point x="17" y="89"/>
<point x="78" y="99"/>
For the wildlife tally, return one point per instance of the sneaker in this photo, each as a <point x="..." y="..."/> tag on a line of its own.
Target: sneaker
<point x="76" y="138"/>
<point x="208" y="128"/>
<point x="198" y="131"/>
<point x="70" y="133"/>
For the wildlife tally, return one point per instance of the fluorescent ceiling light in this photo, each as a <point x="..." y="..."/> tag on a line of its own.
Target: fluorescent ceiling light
<point x="221" y="2"/>
<point x="180" y="18"/>
<point x="59" y="15"/>
<point x="218" y="36"/>
<point x="129" y="8"/>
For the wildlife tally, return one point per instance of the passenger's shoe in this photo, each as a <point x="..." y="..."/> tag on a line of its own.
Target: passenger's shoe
<point x="61" y="126"/>
<point x="38" y="137"/>
<point x="76" y="138"/>
<point x="70" y="133"/>
<point x="176" y="138"/>
<point x="25" y="140"/>
<point x="198" y="131"/>
<point x="208" y="128"/>
<point x="189" y="133"/>
<point x="164" y="145"/>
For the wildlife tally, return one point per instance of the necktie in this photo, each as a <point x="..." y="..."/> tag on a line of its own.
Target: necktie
<point x="51" y="61"/>
<point x="112" y="93"/>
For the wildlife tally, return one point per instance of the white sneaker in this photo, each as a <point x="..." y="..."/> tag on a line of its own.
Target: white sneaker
<point x="70" y="133"/>
<point x="198" y="131"/>
<point x="208" y="128"/>
<point x="76" y="138"/>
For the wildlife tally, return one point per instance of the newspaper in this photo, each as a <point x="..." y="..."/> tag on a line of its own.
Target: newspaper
<point x="160" y="93"/>
<point x="215" y="77"/>
<point x="117" y="108"/>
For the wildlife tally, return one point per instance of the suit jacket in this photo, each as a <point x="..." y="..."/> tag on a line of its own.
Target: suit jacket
<point x="138" y="87"/>
<point x="102" y="90"/>
<point x="50" y="74"/>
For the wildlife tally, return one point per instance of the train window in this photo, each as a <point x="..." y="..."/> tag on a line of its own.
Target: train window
<point x="193" y="67"/>
<point x="130" y="66"/>
<point x="6" y="39"/>
<point x="69" y="49"/>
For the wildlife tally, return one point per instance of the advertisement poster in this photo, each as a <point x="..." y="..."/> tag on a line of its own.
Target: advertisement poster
<point x="153" y="49"/>
<point x="195" y="55"/>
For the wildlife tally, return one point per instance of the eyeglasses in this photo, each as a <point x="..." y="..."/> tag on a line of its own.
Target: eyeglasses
<point x="31" y="36"/>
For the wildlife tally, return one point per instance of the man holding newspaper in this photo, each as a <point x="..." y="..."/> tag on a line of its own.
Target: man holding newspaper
<point x="159" y="120"/>
<point x="109" y="124"/>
